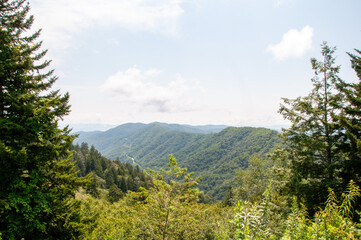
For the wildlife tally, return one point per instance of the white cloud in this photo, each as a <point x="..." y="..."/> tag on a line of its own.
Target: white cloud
<point x="61" y="19"/>
<point x="140" y="88"/>
<point x="294" y="44"/>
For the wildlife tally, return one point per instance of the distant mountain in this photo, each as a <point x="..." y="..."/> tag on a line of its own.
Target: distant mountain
<point x="214" y="152"/>
<point x="192" y="129"/>
<point x="78" y="127"/>
<point x="104" y="140"/>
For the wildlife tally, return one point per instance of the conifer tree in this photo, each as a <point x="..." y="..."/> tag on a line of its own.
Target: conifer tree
<point x="92" y="187"/>
<point x="114" y="193"/>
<point x="312" y="140"/>
<point x="37" y="178"/>
<point x="350" y="120"/>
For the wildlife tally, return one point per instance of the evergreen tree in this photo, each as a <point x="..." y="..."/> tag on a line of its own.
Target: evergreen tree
<point x="228" y="198"/>
<point x="350" y="120"/>
<point x="92" y="187"/>
<point x="130" y="183"/>
<point x="114" y="193"/>
<point x="123" y="185"/>
<point x="79" y="160"/>
<point x="110" y="179"/>
<point x="37" y="178"/>
<point x="94" y="162"/>
<point x="312" y="140"/>
<point x="84" y="148"/>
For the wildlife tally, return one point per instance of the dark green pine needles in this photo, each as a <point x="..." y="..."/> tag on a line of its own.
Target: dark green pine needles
<point x="37" y="179"/>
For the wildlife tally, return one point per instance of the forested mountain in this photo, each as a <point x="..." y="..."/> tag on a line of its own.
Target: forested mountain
<point x="115" y="176"/>
<point x="213" y="156"/>
<point x="122" y="140"/>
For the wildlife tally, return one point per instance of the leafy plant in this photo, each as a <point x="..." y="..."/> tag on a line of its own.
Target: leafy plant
<point x="172" y="191"/>
<point x="253" y="221"/>
<point x="333" y="222"/>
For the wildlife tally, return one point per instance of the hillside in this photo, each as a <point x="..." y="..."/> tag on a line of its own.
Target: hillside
<point x="215" y="156"/>
<point x="107" y="174"/>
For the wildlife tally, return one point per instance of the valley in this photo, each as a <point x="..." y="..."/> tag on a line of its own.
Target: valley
<point x="212" y="152"/>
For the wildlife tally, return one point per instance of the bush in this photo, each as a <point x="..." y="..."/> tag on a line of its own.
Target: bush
<point x="334" y="222"/>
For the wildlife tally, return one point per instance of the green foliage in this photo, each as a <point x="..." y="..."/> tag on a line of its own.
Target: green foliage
<point x="263" y="219"/>
<point x="312" y="140"/>
<point x="249" y="221"/>
<point x="114" y="176"/>
<point x="92" y="187"/>
<point x="213" y="156"/>
<point x="253" y="181"/>
<point x="333" y="222"/>
<point x="228" y="199"/>
<point x="114" y="193"/>
<point x="168" y="210"/>
<point x="126" y="220"/>
<point x="349" y="119"/>
<point x="168" y="198"/>
<point x="37" y="178"/>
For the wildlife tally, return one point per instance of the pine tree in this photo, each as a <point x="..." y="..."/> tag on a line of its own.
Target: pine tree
<point x="350" y="120"/>
<point x="37" y="178"/>
<point x="114" y="193"/>
<point x="110" y="179"/>
<point x="123" y="184"/>
<point x="92" y="187"/>
<point x="312" y="140"/>
<point x="94" y="162"/>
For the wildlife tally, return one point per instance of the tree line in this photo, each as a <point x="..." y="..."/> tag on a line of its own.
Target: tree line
<point x="115" y="176"/>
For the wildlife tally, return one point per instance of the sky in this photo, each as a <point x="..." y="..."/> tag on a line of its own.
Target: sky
<point x="190" y="61"/>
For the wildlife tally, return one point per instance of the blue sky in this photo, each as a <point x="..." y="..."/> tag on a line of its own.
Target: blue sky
<point x="190" y="61"/>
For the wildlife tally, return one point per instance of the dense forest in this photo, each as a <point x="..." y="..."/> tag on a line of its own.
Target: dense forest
<point x="213" y="156"/>
<point x="114" y="176"/>
<point x="306" y="188"/>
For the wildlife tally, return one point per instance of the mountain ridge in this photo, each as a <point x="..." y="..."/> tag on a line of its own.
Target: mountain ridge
<point x="215" y="156"/>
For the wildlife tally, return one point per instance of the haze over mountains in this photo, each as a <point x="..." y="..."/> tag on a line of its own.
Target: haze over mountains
<point x="93" y="127"/>
<point x="214" y="152"/>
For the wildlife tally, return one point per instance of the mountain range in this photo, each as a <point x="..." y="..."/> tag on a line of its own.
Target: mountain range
<point x="214" y="152"/>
